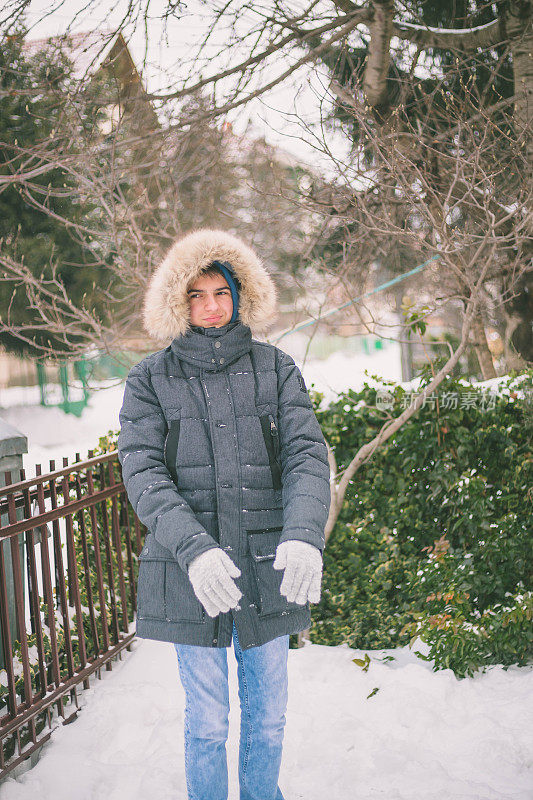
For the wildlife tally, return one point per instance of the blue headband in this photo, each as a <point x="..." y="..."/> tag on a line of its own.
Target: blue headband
<point x="227" y="271"/>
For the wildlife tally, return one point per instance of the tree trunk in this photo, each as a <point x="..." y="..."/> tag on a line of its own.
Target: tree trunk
<point x="519" y="23"/>
<point x="518" y="318"/>
<point x="479" y="340"/>
<point x="406" y="348"/>
<point x="378" y="61"/>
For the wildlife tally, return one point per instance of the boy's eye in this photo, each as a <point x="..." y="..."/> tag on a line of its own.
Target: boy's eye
<point x="196" y="295"/>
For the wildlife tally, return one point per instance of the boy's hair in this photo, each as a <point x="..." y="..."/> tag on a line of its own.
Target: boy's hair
<point x="212" y="269"/>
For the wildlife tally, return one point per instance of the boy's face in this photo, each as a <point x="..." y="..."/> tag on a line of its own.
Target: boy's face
<point x="210" y="302"/>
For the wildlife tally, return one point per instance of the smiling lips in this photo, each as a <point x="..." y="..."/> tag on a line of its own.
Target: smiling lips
<point x="212" y="319"/>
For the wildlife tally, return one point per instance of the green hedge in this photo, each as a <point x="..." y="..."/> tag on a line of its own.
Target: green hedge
<point x="435" y="536"/>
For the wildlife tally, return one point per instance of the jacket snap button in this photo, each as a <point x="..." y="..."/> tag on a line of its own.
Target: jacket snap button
<point x="213" y="361"/>
<point x="217" y="344"/>
<point x="221" y="360"/>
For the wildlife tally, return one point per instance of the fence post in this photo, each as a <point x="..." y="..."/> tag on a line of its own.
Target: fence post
<point x="13" y="444"/>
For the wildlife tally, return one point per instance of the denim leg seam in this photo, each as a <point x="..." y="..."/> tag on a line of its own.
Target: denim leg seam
<point x="187" y="732"/>
<point x="247" y="707"/>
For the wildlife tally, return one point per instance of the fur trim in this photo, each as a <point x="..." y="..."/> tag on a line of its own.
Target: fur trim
<point x="166" y="307"/>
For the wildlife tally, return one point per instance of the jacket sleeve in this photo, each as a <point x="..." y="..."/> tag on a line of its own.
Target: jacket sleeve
<point x="304" y="459"/>
<point x="149" y="486"/>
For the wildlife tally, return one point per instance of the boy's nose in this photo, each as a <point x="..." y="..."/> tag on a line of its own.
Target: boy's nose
<point x="211" y="302"/>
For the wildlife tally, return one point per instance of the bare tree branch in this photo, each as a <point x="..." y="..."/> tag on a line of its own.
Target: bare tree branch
<point x="345" y="24"/>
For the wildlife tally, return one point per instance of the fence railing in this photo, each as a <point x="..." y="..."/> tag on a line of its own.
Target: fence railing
<point x="69" y="542"/>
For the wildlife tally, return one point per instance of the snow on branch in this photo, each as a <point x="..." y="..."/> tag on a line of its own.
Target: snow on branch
<point x="482" y="36"/>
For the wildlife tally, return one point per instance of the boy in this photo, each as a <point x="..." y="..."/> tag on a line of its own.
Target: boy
<point x="224" y="461"/>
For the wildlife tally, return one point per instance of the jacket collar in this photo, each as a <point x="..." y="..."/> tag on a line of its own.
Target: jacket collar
<point x="213" y="348"/>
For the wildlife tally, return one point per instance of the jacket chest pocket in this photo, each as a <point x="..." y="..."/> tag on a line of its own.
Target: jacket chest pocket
<point x="271" y="436"/>
<point x="263" y="544"/>
<point x="165" y="592"/>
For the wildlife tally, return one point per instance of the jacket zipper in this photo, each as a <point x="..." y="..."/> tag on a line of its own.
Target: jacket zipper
<point x="271" y="437"/>
<point x="275" y="441"/>
<point x="170" y="448"/>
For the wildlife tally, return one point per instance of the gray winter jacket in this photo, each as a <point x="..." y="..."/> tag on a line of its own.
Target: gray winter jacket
<point x="220" y="447"/>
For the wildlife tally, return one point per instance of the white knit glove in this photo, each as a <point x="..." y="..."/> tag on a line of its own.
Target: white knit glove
<point x="211" y="574"/>
<point x="303" y="571"/>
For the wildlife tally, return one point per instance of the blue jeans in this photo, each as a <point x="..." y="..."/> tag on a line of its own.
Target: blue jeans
<point x="262" y="676"/>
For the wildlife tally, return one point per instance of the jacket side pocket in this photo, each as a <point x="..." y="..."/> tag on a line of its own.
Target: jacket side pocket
<point x="271" y="437"/>
<point x="164" y="591"/>
<point x="263" y="544"/>
<point x="151" y="589"/>
<point x="181" y="603"/>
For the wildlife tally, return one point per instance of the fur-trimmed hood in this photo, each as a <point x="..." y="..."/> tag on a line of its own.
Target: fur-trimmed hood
<point x="166" y="306"/>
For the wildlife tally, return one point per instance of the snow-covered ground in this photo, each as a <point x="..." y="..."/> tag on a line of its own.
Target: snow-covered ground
<point x="421" y="736"/>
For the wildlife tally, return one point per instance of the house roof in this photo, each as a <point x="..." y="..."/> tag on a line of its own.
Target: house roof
<point x="92" y="51"/>
<point x="88" y="50"/>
